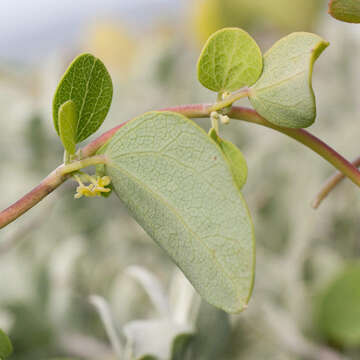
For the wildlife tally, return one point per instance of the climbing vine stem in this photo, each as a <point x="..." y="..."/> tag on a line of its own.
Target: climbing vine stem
<point x="63" y="172"/>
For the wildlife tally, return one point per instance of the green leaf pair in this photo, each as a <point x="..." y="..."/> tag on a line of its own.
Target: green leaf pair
<point x="82" y="100"/>
<point x="280" y="82"/>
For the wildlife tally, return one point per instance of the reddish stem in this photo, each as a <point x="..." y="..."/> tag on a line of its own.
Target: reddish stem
<point x="56" y="178"/>
<point x="330" y="184"/>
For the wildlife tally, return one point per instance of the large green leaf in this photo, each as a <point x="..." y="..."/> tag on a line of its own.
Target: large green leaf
<point x="234" y="156"/>
<point x="88" y="84"/>
<point x="284" y="94"/>
<point x="229" y="60"/>
<point x="339" y="308"/>
<point x="67" y="126"/>
<point x="345" y="10"/>
<point x="6" y="348"/>
<point x="177" y="184"/>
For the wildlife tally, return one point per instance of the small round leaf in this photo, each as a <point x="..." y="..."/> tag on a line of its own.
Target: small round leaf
<point x="88" y="84"/>
<point x="229" y="60"/>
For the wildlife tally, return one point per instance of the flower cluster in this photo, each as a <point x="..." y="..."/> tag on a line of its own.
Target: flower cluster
<point x="97" y="186"/>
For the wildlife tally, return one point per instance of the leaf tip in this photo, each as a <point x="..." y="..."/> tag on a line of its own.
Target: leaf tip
<point x="319" y="48"/>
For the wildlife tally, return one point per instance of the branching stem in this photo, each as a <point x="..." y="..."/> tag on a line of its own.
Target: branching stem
<point x="59" y="175"/>
<point x="229" y="100"/>
<point x="300" y="135"/>
<point x="307" y="139"/>
<point x="330" y="185"/>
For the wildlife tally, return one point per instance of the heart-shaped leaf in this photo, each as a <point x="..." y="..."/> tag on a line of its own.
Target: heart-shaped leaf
<point x="229" y="60"/>
<point x="345" y="10"/>
<point x="339" y="308"/>
<point x="283" y="95"/>
<point x="67" y="126"/>
<point x="6" y="348"/>
<point x="234" y="156"/>
<point x="88" y="84"/>
<point x="178" y="185"/>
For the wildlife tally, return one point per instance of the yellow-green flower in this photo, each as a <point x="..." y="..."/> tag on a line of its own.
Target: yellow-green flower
<point x="97" y="186"/>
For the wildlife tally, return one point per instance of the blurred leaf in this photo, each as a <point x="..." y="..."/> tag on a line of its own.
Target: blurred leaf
<point x="38" y="342"/>
<point x="88" y="84"/>
<point x="208" y="16"/>
<point x="213" y="333"/>
<point x="345" y="10"/>
<point x="229" y="60"/>
<point x="104" y="311"/>
<point x="6" y="348"/>
<point x="205" y="18"/>
<point x="114" y="43"/>
<point x="152" y="286"/>
<point x="339" y="308"/>
<point x="37" y="144"/>
<point x="67" y="126"/>
<point x="178" y="186"/>
<point x="181" y="346"/>
<point x="284" y="94"/>
<point x="153" y="337"/>
<point x="235" y="158"/>
<point x="42" y="286"/>
<point x="166" y="66"/>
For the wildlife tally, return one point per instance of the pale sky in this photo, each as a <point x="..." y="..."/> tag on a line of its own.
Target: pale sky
<point x="32" y="28"/>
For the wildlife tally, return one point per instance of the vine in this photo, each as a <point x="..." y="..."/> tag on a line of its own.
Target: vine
<point x="181" y="184"/>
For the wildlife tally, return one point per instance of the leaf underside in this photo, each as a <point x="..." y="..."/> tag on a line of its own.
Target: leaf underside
<point x="88" y="84"/>
<point x="67" y="126"/>
<point x="283" y="94"/>
<point x="235" y="158"/>
<point x="177" y="184"/>
<point x="229" y="60"/>
<point x="345" y="10"/>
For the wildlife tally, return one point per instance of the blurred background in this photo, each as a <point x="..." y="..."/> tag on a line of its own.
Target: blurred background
<point x="80" y="279"/>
